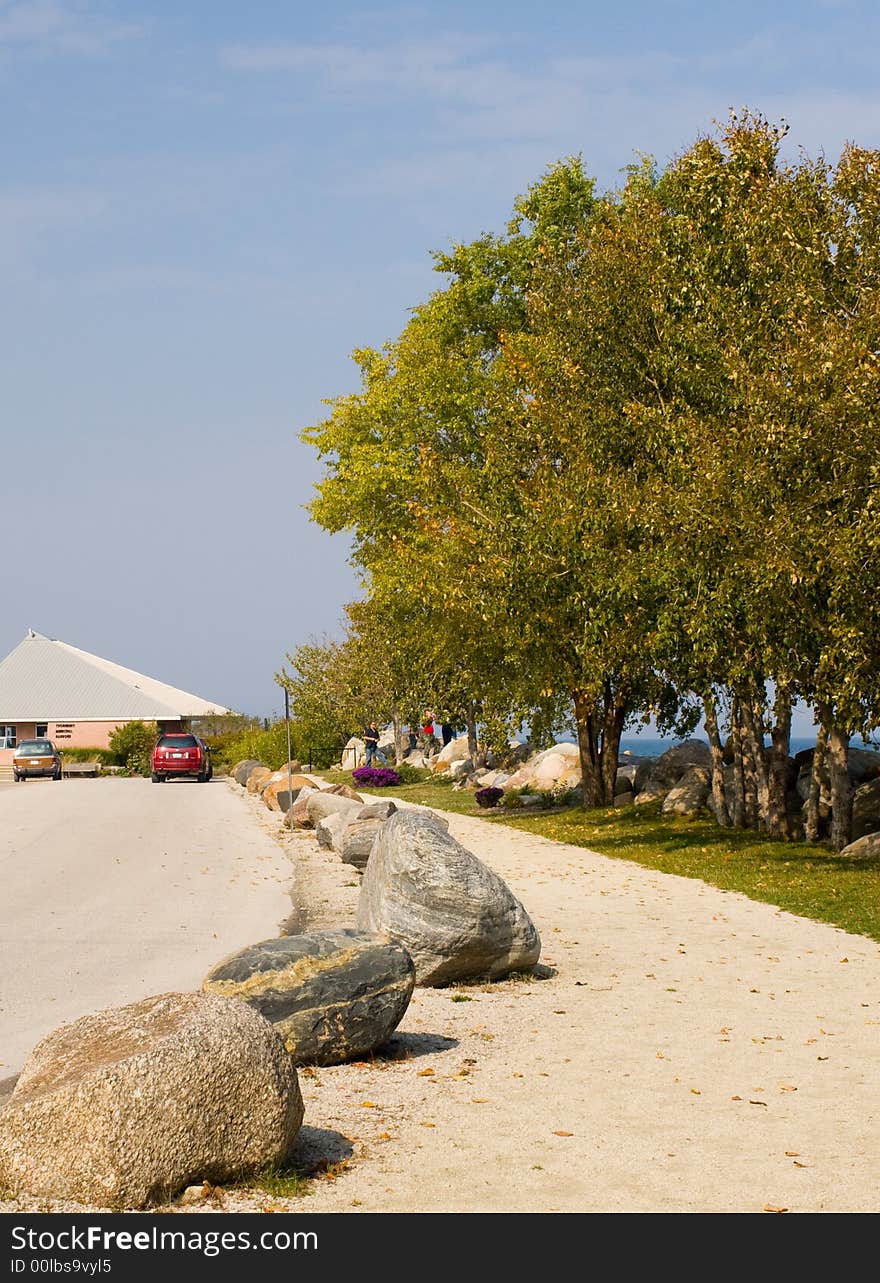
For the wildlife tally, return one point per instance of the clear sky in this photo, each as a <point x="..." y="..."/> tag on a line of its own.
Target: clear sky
<point x="205" y="205"/>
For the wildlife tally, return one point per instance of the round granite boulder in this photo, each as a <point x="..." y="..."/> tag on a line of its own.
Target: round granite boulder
<point x="126" y="1107"/>
<point x="331" y="995"/>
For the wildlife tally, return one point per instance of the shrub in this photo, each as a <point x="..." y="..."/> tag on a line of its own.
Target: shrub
<point x="412" y="774"/>
<point x="132" y="745"/>
<point x="375" y="777"/>
<point x="489" y="796"/>
<point x="511" y="801"/>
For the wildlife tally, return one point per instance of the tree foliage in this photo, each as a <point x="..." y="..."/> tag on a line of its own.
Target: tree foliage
<point x="625" y="464"/>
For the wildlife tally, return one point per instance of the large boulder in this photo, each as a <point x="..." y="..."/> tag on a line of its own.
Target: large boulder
<point x="454" y="916"/>
<point x="241" y="770"/>
<point x="332" y="995"/>
<point x="357" y="838"/>
<point x="258" y="777"/>
<point x="863" y="766"/>
<point x="329" y="830"/>
<point x="297" y="816"/>
<point x="866" y="809"/>
<point x="626" y="778"/>
<point x="455" y="751"/>
<point x="323" y="803"/>
<point x="651" y="791"/>
<point x="380" y="810"/>
<point x="670" y="766"/>
<point x="690" y="794"/>
<point x="281" y="790"/>
<point x="865" y="849"/>
<point x="555" y="767"/>
<point x="354" y="754"/>
<point x="126" y="1107"/>
<point x="343" y="790"/>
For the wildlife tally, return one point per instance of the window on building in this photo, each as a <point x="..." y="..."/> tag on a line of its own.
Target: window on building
<point x="42" y="730"/>
<point x="7" y="736"/>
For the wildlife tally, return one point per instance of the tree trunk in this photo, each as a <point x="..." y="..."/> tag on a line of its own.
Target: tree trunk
<point x="753" y="721"/>
<point x="471" y="720"/>
<point x="588" y="750"/>
<point x="399" y="750"/>
<point x="720" y="801"/>
<point x="777" y="780"/>
<point x="614" y="718"/>
<point x="737" y="805"/>
<point x="841" y="789"/>
<point x="749" y="767"/>
<point x="811" y="819"/>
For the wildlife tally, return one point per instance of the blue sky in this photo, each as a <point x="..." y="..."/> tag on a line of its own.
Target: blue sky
<point x="204" y="207"/>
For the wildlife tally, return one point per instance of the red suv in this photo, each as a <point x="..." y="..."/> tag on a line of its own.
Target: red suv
<point x="180" y="753"/>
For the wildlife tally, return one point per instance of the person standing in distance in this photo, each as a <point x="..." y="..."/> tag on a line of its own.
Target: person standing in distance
<point x="371" y="739"/>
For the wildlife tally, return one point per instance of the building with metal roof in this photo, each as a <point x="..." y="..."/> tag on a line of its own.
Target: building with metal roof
<point x="53" y="690"/>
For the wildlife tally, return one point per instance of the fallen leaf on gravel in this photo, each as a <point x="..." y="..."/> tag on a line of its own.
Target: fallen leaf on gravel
<point x="758" y="1102"/>
<point x="844" y="959"/>
<point x="425" y="1073"/>
<point x="479" y="1100"/>
<point x="736" y="1098"/>
<point x="797" y="1164"/>
<point x="695" y="1091"/>
<point x="660" y="1055"/>
<point x="787" y="1087"/>
<point x="429" y="1124"/>
<point x="563" y="1133"/>
<point x="383" y="1136"/>
<point x="821" y="1057"/>
<point x="792" y="1153"/>
<point x="768" y="1207"/>
<point x="369" y="1104"/>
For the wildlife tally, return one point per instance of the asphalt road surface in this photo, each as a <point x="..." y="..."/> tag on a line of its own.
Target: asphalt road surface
<point x="115" y="889"/>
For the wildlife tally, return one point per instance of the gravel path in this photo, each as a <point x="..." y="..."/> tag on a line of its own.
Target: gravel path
<point x="683" y="1049"/>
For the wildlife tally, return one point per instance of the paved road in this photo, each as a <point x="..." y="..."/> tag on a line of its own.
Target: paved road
<point x="114" y="889"/>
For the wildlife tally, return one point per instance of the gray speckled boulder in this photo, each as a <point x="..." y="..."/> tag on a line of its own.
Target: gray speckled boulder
<point x="329" y="830"/>
<point x="377" y="810"/>
<point x="332" y="995"/>
<point x="324" y="803"/>
<point x="865" y="848"/>
<point x="357" y="838"/>
<point x="126" y="1107"/>
<point x="689" y="795"/>
<point x="455" y="917"/>
<point x="671" y="765"/>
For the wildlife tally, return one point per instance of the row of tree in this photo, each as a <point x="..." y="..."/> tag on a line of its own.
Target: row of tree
<point x="626" y="463"/>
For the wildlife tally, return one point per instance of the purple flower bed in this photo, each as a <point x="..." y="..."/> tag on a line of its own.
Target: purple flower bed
<point x="488" y="797"/>
<point x="375" y="777"/>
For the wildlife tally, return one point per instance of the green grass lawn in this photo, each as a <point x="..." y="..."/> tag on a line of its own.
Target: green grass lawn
<point x="809" y="880"/>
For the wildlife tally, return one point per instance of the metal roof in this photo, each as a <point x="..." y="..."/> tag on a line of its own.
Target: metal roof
<point x="47" y="680"/>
